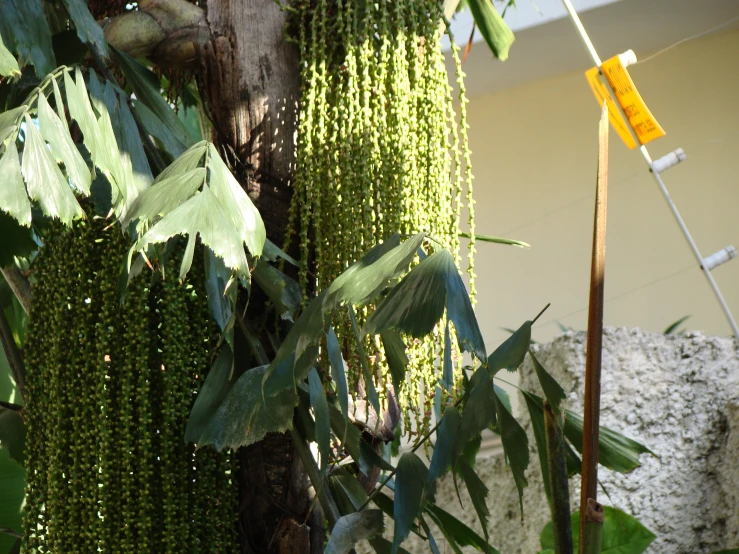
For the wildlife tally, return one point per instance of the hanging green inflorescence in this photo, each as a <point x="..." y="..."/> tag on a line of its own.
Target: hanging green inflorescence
<point x="381" y="150"/>
<point x="109" y="389"/>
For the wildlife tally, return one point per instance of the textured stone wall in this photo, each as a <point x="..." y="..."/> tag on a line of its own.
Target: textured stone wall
<point x="679" y="395"/>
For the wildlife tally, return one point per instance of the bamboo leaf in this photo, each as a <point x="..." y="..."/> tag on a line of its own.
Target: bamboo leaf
<point x="553" y="392"/>
<point x="210" y="396"/>
<point x="88" y="29"/>
<point x="457" y="532"/>
<point x="245" y="418"/>
<point x="512" y="351"/>
<point x="44" y="179"/>
<point x="410" y="495"/>
<point x="492" y="27"/>
<point x="320" y="412"/>
<point x="444" y="455"/>
<point x="56" y="133"/>
<point x="384" y="546"/>
<point x="478" y="493"/>
<point x="338" y="372"/>
<point x="13" y="197"/>
<point x="536" y="415"/>
<point x="352" y="528"/>
<point x="515" y="445"/>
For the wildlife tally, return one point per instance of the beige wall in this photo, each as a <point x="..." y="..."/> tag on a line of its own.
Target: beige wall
<point x="534" y="155"/>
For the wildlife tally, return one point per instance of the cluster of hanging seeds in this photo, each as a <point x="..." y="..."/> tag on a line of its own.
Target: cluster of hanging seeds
<point x="109" y="389"/>
<point x="381" y="150"/>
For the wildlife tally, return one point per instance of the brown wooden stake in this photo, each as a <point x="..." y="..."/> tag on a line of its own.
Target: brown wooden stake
<point x="595" y="332"/>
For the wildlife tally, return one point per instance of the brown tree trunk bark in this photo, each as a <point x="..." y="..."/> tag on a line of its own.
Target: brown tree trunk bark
<point x="249" y="80"/>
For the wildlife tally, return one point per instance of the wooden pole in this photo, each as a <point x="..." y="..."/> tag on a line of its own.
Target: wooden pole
<point x="595" y="338"/>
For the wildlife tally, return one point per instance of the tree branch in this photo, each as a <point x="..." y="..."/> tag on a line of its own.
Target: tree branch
<point x="19" y="285"/>
<point x="17" y="368"/>
<point x="11" y="532"/>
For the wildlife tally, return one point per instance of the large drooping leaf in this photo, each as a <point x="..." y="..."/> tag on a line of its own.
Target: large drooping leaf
<point x="88" y="30"/>
<point x="366" y="278"/>
<point x="140" y="79"/>
<point x="320" y="412"/>
<point x="12" y="434"/>
<point x="352" y="528"/>
<point x="457" y="532"/>
<point x="13" y="197"/>
<point x="552" y="390"/>
<point x="24" y="30"/>
<point x="12" y="493"/>
<point x="157" y="129"/>
<point x="397" y="360"/>
<point x="411" y="492"/>
<point x="356" y="286"/>
<point x="210" y="396"/>
<point x="460" y="312"/>
<point x="56" y="133"/>
<point x="512" y="351"/>
<point x="515" y="445"/>
<point x="622" y="533"/>
<point x="240" y="210"/>
<point x="164" y="196"/>
<point x="116" y="170"/>
<point x="44" y="179"/>
<point x="283" y="291"/>
<point x="245" y="418"/>
<point x="8" y="64"/>
<point x="201" y="215"/>
<point x="478" y="493"/>
<point x="134" y="162"/>
<point x="479" y="408"/>
<point x="221" y="301"/>
<point x="416" y="304"/>
<point x="494" y="30"/>
<point x="80" y="109"/>
<point x="338" y="372"/>
<point x="443" y="457"/>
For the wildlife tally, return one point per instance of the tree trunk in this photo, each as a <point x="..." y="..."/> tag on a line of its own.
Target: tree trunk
<point x="249" y="80"/>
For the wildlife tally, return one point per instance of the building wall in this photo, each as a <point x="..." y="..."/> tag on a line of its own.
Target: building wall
<point x="534" y="155"/>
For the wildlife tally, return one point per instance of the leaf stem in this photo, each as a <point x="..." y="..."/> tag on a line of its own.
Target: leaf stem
<point x="10" y="406"/>
<point x="19" y="285"/>
<point x="328" y="505"/>
<point x="15" y="360"/>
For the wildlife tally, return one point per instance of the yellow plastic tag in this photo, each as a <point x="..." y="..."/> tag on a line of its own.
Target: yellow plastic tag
<point x="640" y="118"/>
<point x="601" y="92"/>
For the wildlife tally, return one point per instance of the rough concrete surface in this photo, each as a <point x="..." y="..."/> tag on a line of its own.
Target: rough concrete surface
<point x="677" y="394"/>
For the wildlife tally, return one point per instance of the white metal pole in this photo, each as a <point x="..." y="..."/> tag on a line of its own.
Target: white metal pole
<point x="645" y="153"/>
